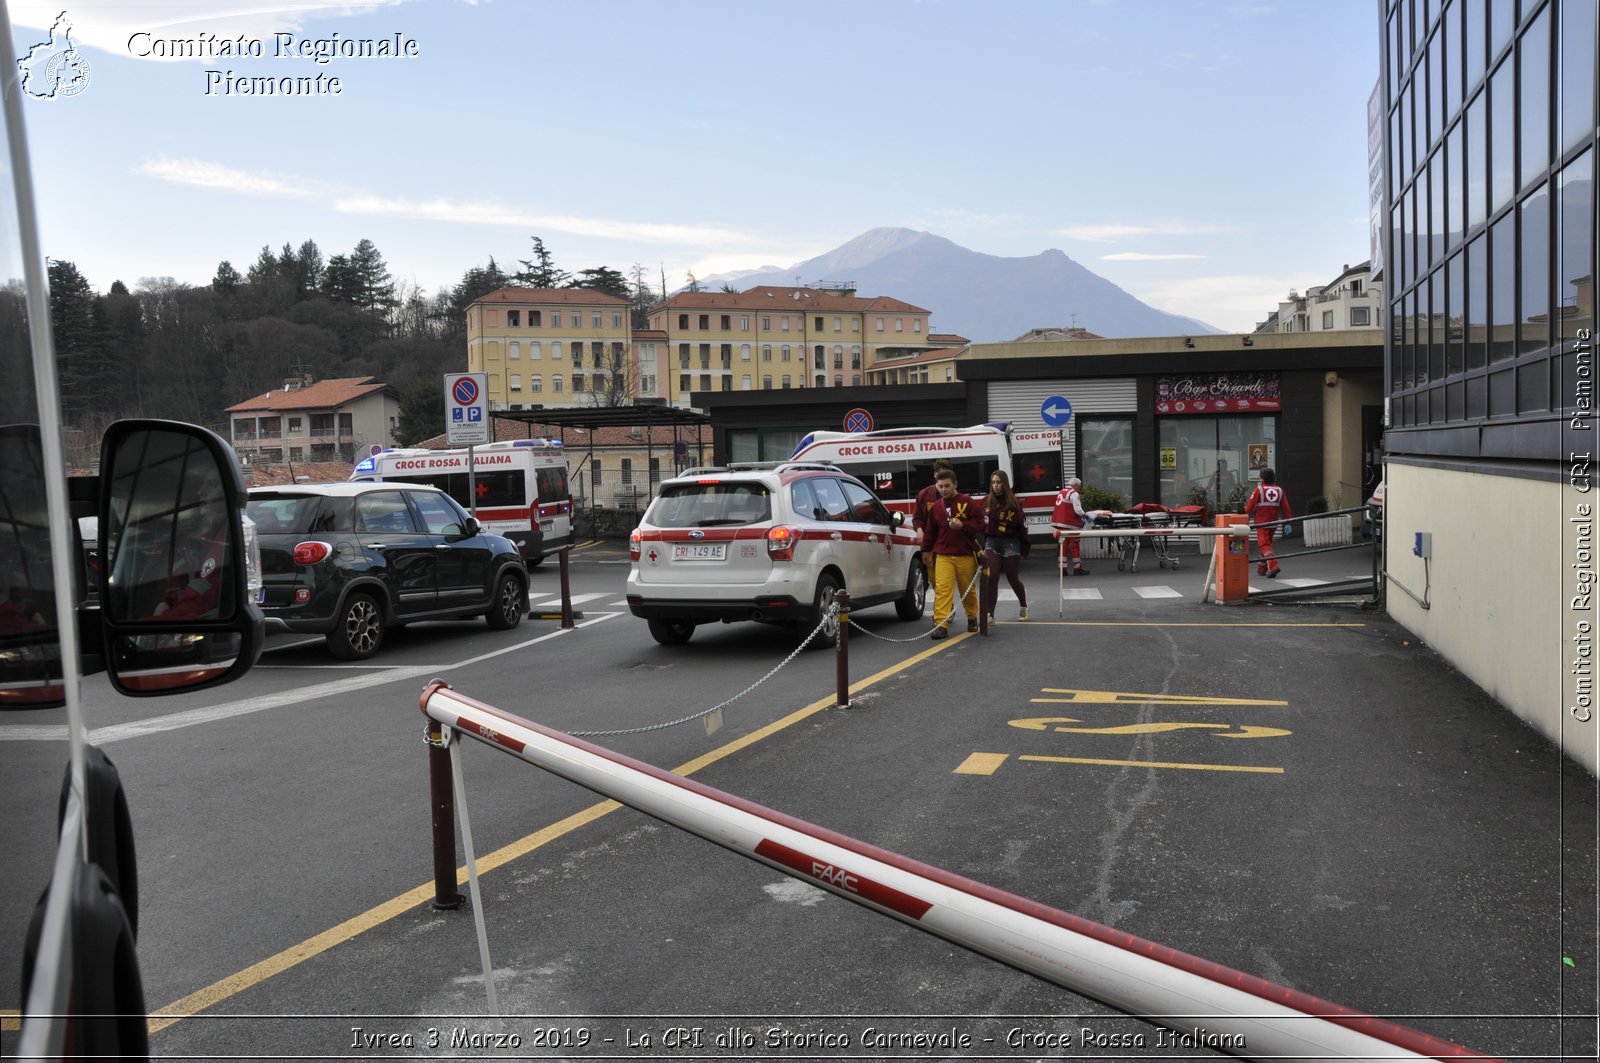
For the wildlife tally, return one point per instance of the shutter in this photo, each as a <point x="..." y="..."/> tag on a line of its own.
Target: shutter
<point x="1018" y="402"/>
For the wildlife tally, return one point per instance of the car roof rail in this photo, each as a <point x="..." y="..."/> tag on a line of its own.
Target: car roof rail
<point x="700" y="470"/>
<point x="808" y="466"/>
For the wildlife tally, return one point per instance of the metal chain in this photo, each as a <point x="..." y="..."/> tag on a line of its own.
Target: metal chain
<point x="831" y="614"/>
<point x="976" y="575"/>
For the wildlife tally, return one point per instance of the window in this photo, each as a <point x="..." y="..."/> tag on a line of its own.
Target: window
<point x="555" y="383"/>
<point x="597" y="471"/>
<point x="577" y="382"/>
<point x="555" y="348"/>
<point x="683" y="321"/>
<point x="705" y="322"/>
<point x="821" y="362"/>
<point x="534" y="350"/>
<point x="705" y="381"/>
<point x="899" y="324"/>
<point x="595" y="319"/>
<point x="647" y="384"/>
<point x="880" y="324"/>
<point x="513" y="349"/>
<point x="916" y="324"/>
<point x="819" y="324"/>
<point x="822" y="381"/>
<point x="838" y="324"/>
<point x="766" y="352"/>
<point x="627" y="470"/>
<point x="744" y="352"/>
<point x="513" y="318"/>
<point x="1360" y="317"/>
<point x="725" y="322"/>
<point x="555" y="319"/>
<point x="855" y="357"/>
<point x="533" y="318"/>
<point x="577" y="353"/>
<point x="786" y="381"/>
<point x="536" y="383"/>
<point x="744" y="322"/>
<point x="516" y="381"/>
<point x="1327" y="319"/>
<point x="294" y="425"/>
<point x="744" y="382"/>
<point x="785" y="352"/>
<point x="766" y="383"/>
<point x="855" y="324"/>
<point x="647" y="354"/>
<point x="616" y="319"/>
<point x="726" y="351"/>
<point x="838" y="356"/>
<point x="727" y="383"/>
<point x="838" y="380"/>
<point x="683" y="383"/>
<point x="766" y="323"/>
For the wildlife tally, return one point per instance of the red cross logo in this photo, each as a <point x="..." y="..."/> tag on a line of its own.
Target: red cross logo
<point x="483" y="488"/>
<point x="1036" y="471"/>
<point x="654" y="557"/>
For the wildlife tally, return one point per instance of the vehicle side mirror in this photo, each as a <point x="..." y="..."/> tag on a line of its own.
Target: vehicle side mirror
<point x="897" y="519"/>
<point x="471" y="527"/>
<point x="179" y="567"/>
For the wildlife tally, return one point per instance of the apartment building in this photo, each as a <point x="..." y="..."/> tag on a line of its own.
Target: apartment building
<point x="773" y="338"/>
<point x="1488" y="118"/>
<point x="1352" y="300"/>
<point x="315" y="420"/>
<point x="553" y="347"/>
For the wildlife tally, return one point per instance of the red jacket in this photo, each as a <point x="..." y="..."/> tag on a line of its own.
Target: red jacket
<point x="1069" y="509"/>
<point x="941" y="538"/>
<point x="1003" y="524"/>
<point x="1271" y="502"/>
<point x="925" y="500"/>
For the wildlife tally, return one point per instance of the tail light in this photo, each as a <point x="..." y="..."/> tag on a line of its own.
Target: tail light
<point x="311" y="553"/>
<point x="781" y="541"/>
<point x="633" y="545"/>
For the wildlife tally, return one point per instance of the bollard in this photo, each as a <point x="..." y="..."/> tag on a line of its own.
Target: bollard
<point x="841" y="652"/>
<point x="985" y="605"/>
<point x="441" y="792"/>
<point x="566" y="593"/>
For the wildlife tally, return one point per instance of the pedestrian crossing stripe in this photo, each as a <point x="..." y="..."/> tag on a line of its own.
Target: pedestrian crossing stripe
<point x="1156" y="592"/>
<point x="1119" y="697"/>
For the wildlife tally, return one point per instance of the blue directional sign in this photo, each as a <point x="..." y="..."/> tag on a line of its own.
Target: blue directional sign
<point x="1056" y="411"/>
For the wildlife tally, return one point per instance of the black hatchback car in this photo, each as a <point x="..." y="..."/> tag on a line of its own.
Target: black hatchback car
<point x="351" y="560"/>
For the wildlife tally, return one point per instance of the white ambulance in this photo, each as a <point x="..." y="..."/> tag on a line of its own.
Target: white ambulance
<point x="518" y="487"/>
<point x="898" y="462"/>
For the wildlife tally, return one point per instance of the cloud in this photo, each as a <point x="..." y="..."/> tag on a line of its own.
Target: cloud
<point x="1140" y="256"/>
<point x="108" y="25"/>
<point x="202" y="174"/>
<point x="491" y="213"/>
<point x="1105" y="234"/>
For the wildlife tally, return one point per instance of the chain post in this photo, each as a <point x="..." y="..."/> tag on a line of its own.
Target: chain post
<point x="441" y="785"/>
<point x="841" y="650"/>
<point x="566" y="591"/>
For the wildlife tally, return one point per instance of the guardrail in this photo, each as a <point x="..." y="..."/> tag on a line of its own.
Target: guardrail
<point x="1240" y="1013"/>
<point x="1366" y="585"/>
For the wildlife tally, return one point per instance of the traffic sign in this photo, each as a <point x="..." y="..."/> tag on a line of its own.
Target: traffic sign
<point x="1056" y="411"/>
<point x="858" y="420"/>
<point x="466" y="408"/>
<point x="377" y="448"/>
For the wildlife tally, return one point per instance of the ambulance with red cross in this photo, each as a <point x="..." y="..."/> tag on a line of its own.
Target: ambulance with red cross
<point x="518" y="487"/>
<point x="898" y="462"/>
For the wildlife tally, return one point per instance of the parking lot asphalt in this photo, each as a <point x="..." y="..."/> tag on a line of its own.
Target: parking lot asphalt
<point x="1304" y="793"/>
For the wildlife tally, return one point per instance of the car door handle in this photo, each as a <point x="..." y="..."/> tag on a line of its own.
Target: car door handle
<point x="377" y="546"/>
<point x="441" y="546"/>
<point x="836" y="536"/>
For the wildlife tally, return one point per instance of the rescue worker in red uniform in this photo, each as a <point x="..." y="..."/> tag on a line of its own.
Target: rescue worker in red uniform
<point x="953" y="534"/>
<point x="1070" y="515"/>
<point x="195" y="589"/>
<point x="1267" y="503"/>
<point x="925" y="500"/>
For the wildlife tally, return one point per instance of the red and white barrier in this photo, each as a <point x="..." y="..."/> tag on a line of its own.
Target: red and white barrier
<point x="1217" y="1007"/>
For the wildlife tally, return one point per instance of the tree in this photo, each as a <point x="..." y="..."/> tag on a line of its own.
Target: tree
<point x="79" y="330"/>
<point x="339" y="280"/>
<point x="540" y="270"/>
<point x="642" y="298"/>
<point x="227" y="280"/>
<point x="421" y="411"/>
<point x="694" y="285"/>
<point x="308" y="267"/>
<point x="265" y="267"/>
<point x="602" y="279"/>
<point x="476" y="283"/>
<point x="374" y="286"/>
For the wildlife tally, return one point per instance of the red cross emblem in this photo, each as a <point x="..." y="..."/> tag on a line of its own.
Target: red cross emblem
<point x="483" y="488"/>
<point x="654" y="557"/>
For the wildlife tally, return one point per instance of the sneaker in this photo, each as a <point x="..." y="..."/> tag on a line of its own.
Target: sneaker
<point x="1273" y="574"/>
<point x="991" y="620"/>
<point x="972" y="625"/>
<point x="1022" y="614"/>
<point x="1080" y="571"/>
<point x="940" y="633"/>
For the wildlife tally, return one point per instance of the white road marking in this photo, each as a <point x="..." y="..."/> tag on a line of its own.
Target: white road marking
<point x="1156" y="592"/>
<point x="1084" y="594"/>
<point x="1301" y="582"/>
<point x="194" y="717"/>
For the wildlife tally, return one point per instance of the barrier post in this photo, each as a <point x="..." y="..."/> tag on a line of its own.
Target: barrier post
<point x="441" y="792"/>
<point x="841" y="651"/>
<point x="1232" y="556"/>
<point x="566" y="592"/>
<point x="985" y="606"/>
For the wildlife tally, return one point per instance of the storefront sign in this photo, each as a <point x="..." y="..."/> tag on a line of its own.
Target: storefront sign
<point x="1169" y="459"/>
<point x="1215" y="393"/>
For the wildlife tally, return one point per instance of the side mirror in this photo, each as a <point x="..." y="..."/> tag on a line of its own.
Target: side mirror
<point x="897" y="519"/>
<point x="178" y="583"/>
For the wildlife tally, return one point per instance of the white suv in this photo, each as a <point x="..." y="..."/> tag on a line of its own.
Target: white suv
<point x="771" y="542"/>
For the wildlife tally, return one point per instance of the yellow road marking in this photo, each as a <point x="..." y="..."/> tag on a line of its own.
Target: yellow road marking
<point x="1133" y="623"/>
<point x="981" y="764"/>
<point x="1117" y="697"/>
<point x="296" y="954"/>
<point x="1225" y="730"/>
<point x="1152" y="764"/>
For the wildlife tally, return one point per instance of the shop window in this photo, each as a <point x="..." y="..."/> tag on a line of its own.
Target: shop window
<point x="1201" y="457"/>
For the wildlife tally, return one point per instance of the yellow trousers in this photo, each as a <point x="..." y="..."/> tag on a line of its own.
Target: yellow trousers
<point x="953" y="572"/>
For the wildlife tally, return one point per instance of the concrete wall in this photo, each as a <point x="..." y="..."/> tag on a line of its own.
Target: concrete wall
<point x="1510" y="561"/>
<point x="1341" y="437"/>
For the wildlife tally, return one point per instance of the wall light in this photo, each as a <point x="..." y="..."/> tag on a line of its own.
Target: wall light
<point x="1248" y="342"/>
<point x="1188" y="342"/>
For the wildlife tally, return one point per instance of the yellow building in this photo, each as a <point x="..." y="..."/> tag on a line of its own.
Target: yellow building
<point x="553" y="347"/>
<point x="771" y="338"/>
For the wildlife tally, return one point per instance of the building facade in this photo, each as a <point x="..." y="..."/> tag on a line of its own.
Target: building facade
<point x="1489" y="132"/>
<point x="778" y="338"/>
<point x="552" y="347"/>
<point x="314" y="421"/>
<point x="1353" y="300"/>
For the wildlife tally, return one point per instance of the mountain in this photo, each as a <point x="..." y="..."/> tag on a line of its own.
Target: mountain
<point x="985" y="298"/>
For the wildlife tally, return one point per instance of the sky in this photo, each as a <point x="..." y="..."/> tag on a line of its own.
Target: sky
<point x="1206" y="156"/>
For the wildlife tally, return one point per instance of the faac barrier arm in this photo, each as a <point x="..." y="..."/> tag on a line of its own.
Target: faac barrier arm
<point x="1139" y="977"/>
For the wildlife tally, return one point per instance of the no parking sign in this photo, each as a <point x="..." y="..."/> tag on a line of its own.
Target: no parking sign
<point x="858" y="420"/>
<point x="466" y="408"/>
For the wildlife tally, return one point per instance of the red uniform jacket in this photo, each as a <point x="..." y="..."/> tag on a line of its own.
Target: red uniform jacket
<point x="1069" y="508"/>
<point x="1268" y="503"/>
<point x="941" y="538"/>
<point x="925" y="500"/>
<point x="197" y="591"/>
